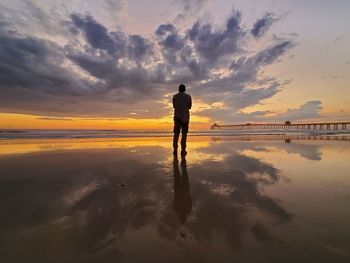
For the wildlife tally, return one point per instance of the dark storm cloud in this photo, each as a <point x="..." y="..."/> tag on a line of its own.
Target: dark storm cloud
<point x="98" y="72"/>
<point x="263" y="24"/>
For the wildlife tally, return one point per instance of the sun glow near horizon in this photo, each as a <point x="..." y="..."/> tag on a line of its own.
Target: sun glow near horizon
<point x="23" y="121"/>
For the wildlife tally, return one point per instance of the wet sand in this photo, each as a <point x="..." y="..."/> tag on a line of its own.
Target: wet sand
<point x="130" y="200"/>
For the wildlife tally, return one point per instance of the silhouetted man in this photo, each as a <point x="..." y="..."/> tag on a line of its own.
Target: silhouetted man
<point x="182" y="103"/>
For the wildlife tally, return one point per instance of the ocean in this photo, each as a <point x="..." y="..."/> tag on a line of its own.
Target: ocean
<point x="79" y="134"/>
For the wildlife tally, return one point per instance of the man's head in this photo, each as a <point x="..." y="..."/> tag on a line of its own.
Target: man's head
<point x="182" y="88"/>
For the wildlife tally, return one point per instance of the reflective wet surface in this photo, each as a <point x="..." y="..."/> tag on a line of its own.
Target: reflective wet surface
<point x="133" y="201"/>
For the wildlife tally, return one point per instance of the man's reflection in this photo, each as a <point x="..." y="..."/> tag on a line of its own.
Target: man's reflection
<point x="182" y="198"/>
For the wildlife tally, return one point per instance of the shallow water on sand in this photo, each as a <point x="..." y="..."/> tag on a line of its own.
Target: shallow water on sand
<point x="130" y="200"/>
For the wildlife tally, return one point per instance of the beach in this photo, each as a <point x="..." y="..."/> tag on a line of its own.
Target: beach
<point x="246" y="199"/>
<point x="189" y="131"/>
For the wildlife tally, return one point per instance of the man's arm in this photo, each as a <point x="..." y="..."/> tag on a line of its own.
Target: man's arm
<point x="173" y="102"/>
<point x="190" y="102"/>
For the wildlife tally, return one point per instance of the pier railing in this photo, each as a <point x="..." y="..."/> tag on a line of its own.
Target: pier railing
<point x="286" y="138"/>
<point x="317" y="126"/>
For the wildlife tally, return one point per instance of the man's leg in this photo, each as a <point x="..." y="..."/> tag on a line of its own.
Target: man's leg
<point x="184" y="131"/>
<point x="177" y="127"/>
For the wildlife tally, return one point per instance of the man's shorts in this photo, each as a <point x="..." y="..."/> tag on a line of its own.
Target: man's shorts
<point x="179" y="125"/>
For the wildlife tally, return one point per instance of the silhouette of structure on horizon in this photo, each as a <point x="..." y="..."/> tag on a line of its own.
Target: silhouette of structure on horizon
<point x="273" y="137"/>
<point x="182" y="104"/>
<point x="317" y="126"/>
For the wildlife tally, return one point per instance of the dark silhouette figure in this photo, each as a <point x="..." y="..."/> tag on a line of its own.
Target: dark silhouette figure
<point x="182" y="203"/>
<point x="182" y="103"/>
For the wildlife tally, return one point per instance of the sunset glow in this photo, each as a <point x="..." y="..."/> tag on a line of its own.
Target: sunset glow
<point x="22" y="121"/>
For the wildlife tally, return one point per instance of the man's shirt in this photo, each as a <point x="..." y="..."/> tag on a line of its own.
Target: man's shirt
<point x="182" y="103"/>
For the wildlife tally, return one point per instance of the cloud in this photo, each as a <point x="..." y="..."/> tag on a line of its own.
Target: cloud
<point x="190" y="8"/>
<point x="55" y="119"/>
<point x="213" y="44"/>
<point x="35" y="80"/>
<point x="261" y="112"/>
<point x="170" y="42"/>
<point x="309" y="110"/>
<point x="336" y="42"/>
<point x="116" y="44"/>
<point x="114" y="11"/>
<point x="254" y="96"/>
<point x="262" y="25"/>
<point x="339" y="38"/>
<point x="245" y="73"/>
<point x="97" y="35"/>
<point x="83" y="68"/>
<point x="272" y="53"/>
<point x="34" y="64"/>
<point x="310" y="152"/>
<point x="193" y="5"/>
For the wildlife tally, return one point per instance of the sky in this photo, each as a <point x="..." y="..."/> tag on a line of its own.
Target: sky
<point x="117" y="63"/>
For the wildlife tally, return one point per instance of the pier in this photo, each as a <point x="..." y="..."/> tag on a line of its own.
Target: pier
<point x="287" y="126"/>
<point x="286" y="138"/>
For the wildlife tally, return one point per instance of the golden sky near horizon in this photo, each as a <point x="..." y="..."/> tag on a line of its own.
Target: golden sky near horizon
<point x="21" y="121"/>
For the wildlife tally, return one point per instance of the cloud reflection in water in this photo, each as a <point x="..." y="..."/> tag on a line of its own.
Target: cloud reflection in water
<point x="97" y="203"/>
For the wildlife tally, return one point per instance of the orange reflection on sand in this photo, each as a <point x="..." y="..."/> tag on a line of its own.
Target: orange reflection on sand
<point x="38" y="145"/>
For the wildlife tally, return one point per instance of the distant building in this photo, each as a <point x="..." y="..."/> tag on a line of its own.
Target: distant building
<point x="214" y="126"/>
